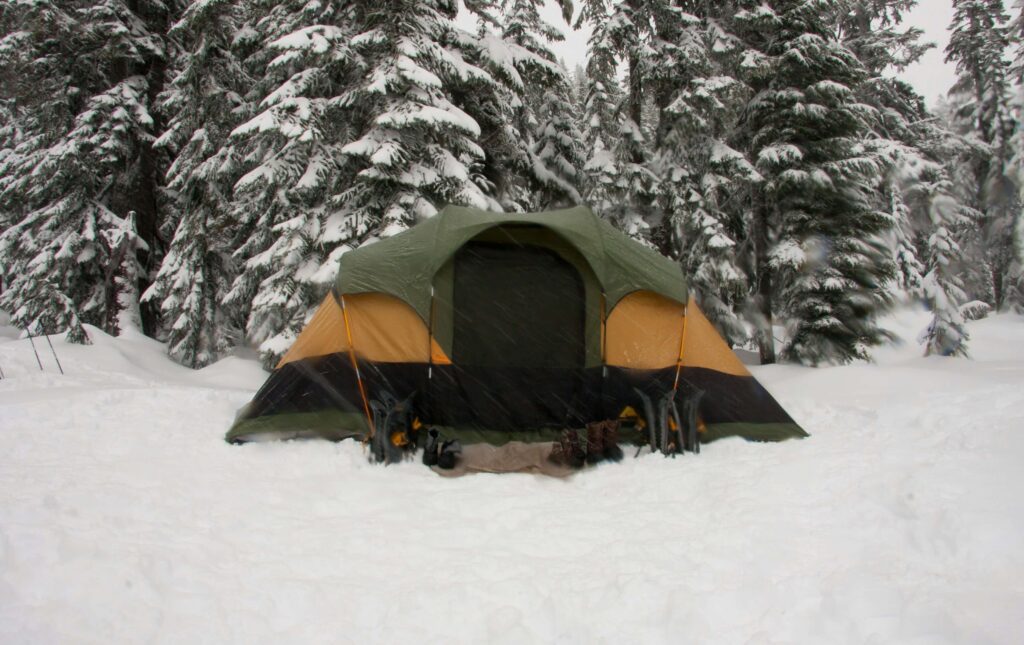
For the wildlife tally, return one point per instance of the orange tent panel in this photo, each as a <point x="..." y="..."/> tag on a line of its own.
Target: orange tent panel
<point x="323" y="334"/>
<point x="384" y="330"/>
<point x="704" y="347"/>
<point x="643" y="331"/>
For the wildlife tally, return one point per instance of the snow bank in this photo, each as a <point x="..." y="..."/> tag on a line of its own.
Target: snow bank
<point x="125" y="517"/>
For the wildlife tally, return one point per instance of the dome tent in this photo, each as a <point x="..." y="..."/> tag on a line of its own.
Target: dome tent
<point x="505" y="328"/>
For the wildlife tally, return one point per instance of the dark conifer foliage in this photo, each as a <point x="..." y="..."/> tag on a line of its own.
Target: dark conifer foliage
<point x="82" y="80"/>
<point x="206" y="100"/>
<point x="810" y="138"/>
<point x="981" y="109"/>
<point x="198" y="168"/>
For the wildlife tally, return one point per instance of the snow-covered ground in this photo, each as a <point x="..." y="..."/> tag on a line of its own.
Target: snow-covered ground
<point x="124" y="517"/>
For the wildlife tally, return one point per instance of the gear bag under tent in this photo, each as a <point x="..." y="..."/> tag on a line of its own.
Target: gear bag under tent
<point x="506" y="327"/>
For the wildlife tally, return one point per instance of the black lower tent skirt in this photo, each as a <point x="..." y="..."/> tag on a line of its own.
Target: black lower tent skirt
<point x="320" y="397"/>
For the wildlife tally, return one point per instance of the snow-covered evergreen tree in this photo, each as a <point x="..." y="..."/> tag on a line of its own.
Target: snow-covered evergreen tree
<point x="86" y="161"/>
<point x="546" y="115"/>
<point x="541" y="158"/>
<point x="419" y="148"/>
<point x="934" y="215"/>
<point x="704" y="179"/>
<point x="206" y="101"/>
<point x="874" y="31"/>
<point x="601" y="122"/>
<point x="817" y="218"/>
<point x="125" y="272"/>
<point x="494" y="102"/>
<point x="358" y="136"/>
<point x="909" y="268"/>
<point x="981" y="102"/>
<point x="302" y="65"/>
<point x="1017" y="147"/>
<point x="558" y="150"/>
<point x="620" y="172"/>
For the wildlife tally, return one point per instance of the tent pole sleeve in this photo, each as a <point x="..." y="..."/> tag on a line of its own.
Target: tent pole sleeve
<point x="355" y="365"/>
<point x="682" y="346"/>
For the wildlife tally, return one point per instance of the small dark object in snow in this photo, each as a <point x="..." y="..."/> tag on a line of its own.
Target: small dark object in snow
<point x="612" y="452"/>
<point x="568" y="450"/>
<point x="603" y="441"/>
<point x="595" y="442"/>
<point x="450" y="451"/>
<point x="430" y="450"/>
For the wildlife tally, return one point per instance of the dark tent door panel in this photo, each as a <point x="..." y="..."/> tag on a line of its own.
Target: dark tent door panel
<point x="518" y="340"/>
<point x="516" y="306"/>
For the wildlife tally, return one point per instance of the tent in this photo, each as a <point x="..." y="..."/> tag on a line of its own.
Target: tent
<point x="499" y="328"/>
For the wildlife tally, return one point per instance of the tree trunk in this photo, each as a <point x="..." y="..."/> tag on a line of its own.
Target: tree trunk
<point x="997" y="286"/>
<point x="145" y="200"/>
<point x="763" y="276"/>
<point x="636" y="95"/>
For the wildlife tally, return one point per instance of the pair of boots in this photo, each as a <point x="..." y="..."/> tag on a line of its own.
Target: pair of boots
<point x="602" y="443"/>
<point x="441" y="454"/>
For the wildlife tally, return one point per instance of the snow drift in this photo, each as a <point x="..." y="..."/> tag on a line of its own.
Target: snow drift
<point x="125" y="517"/>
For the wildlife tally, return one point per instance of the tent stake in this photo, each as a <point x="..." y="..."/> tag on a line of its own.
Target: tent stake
<point x="34" y="349"/>
<point x="54" y="354"/>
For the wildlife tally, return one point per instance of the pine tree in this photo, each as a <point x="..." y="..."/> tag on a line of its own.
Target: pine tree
<point x="933" y="217"/>
<point x="494" y="103"/>
<point x="874" y="31"/>
<point x="704" y="180"/>
<point x="981" y="103"/>
<point x="556" y="153"/>
<point x="816" y="225"/>
<point x="302" y="64"/>
<point x="1017" y="148"/>
<point x="558" y="150"/>
<point x="125" y="272"/>
<point x="359" y="137"/>
<point x="909" y="268"/>
<point x="413" y="78"/>
<point x="621" y="173"/>
<point x="543" y="156"/>
<point x="86" y="164"/>
<point x="601" y="122"/>
<point x="206" y="101"/>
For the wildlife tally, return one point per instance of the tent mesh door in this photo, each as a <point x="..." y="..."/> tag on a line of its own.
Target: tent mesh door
<point x="518" y="337"/>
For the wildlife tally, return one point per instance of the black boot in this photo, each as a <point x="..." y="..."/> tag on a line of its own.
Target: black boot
<point x="430" y="450"/>
<point x="450" y="451"/>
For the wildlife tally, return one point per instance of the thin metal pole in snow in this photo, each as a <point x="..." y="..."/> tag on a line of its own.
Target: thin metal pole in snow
<point x="54" y="354"/>
<point x="1" y="374"/>
<point x="34" y="349"/>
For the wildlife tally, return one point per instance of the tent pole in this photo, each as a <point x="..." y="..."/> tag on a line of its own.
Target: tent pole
<point x="355" y="365"/>
<point x="682" y="345"/>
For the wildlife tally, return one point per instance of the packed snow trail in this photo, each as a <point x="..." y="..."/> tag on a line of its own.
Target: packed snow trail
<point x="125" y="517"/>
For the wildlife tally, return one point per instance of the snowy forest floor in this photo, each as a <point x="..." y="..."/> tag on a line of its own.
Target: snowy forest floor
<point x="125" y="517"/>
